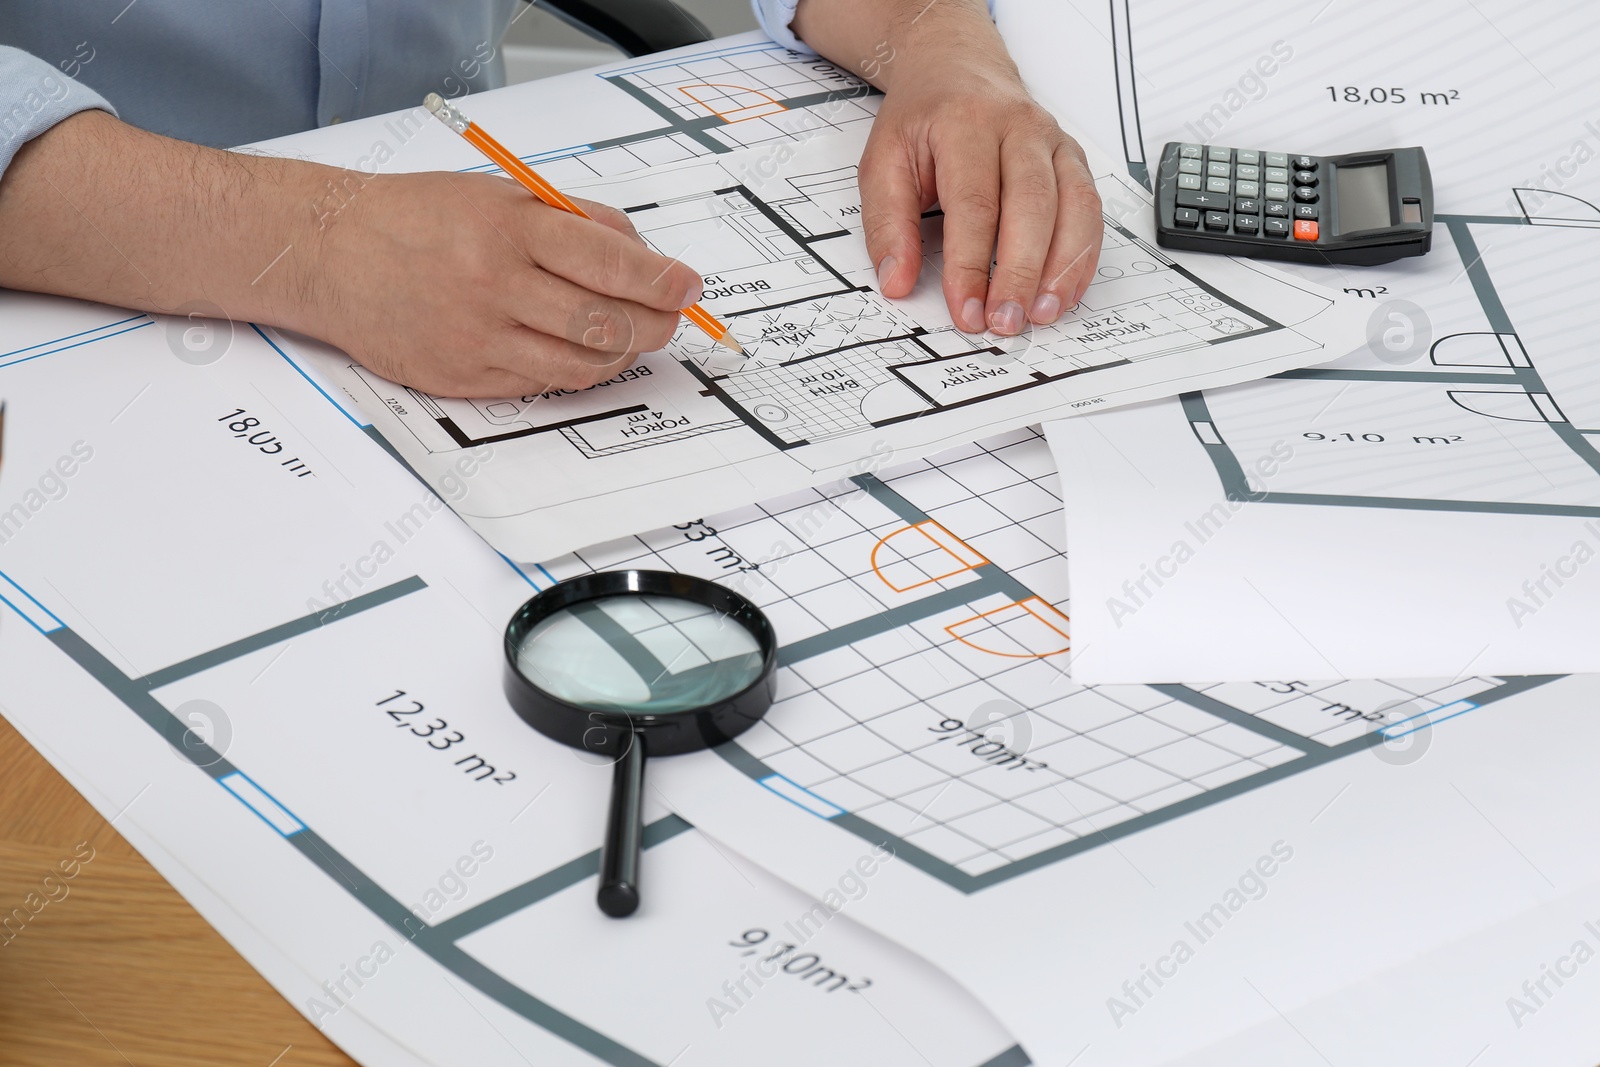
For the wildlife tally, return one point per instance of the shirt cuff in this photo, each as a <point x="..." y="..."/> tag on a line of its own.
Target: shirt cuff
<point x="34" y="96"/>
<point x="775" y="16"/>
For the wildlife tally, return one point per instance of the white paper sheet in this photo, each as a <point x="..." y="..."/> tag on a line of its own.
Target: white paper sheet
<point x="1428" y="504"/>
<point x="839" y="379"/>
<point x="273" y="659"/>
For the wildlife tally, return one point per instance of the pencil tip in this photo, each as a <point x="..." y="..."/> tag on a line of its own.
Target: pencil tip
<point x="729" y="341"/>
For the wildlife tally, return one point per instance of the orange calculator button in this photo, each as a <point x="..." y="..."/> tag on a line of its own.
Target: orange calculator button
<point x="1305" y="230"/>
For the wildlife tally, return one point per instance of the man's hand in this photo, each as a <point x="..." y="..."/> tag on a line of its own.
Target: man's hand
<point x="455" y="283"/>
<point x="958" y="128"/>
<point x="465" y="285"/>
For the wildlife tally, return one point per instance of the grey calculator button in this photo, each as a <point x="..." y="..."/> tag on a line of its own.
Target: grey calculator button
<point x="1188" y="166"/>
<point x="1189" y="151"/>
<point x="1277" y="174"/>
<point x="1249" y="190"/>
<point x="1188" y="181"/>
<point x="1218" y="170"/>
<point x="1217" y="153"/>
<point x="1277" y="191"/>
<point x="1248" y="158"/>
<point x="1246" y="173"/>
<point x="1220" y="185"/>
<point x="1203" y="201"/>
<point x="1278" y="159"/>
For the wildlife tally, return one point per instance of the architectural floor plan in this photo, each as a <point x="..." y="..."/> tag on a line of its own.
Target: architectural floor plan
<point x="1494" y="418"/>
<point x="924" y="715"/>
<point x="924" y="706"/>
<point x="1471" y="418"/>
<point x="1499" y="261"/>
<point x="923" y="699"/>
<point x="710" y="101"/>
<point x="828" y="357"/>
<point x="315" y="750"/>
<point x="742" y="162"/>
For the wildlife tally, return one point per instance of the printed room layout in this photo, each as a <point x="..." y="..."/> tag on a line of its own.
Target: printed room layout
<point x="829" y="356"/>
<point x="1500" y="416"/>
<point x="922" y="694"/>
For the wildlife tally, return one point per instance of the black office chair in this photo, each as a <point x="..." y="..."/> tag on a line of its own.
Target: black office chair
<point x="638" y="27"/>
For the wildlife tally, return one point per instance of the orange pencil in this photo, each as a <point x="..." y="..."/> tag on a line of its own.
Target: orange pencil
<point x="499" y="154"/>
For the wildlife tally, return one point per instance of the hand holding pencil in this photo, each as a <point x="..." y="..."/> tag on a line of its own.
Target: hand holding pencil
<point x="530" y="179"/>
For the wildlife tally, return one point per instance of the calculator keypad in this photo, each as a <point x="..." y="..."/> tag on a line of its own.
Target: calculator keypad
<point x="1269" y="196"/>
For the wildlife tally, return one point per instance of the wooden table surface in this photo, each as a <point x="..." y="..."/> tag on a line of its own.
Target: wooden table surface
<point x="120" y="971"/>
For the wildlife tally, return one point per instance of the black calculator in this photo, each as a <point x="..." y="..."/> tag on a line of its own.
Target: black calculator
<point x="1360" y="208"/>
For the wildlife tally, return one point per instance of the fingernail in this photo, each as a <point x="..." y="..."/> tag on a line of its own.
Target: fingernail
<point x="1046" y="309"/>
<point x="972" y="315"/>
<point x="1007" y="318"/>
<point x="692" y="296"/>
<point x="886" y="268"/>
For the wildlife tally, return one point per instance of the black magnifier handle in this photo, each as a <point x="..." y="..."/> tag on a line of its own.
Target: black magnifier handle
<point x="618" y="896"/>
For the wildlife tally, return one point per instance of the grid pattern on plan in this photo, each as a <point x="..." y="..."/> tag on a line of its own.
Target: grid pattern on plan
<point x="924" y="624"/>
<point x="717" y="103"/>
<point x="838" y="555"/>
<point x="745" y="88"/>
<point x="868" y="735"/>
<point x="569" y="165"/>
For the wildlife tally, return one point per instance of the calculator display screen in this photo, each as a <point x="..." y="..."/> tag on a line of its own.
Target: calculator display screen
<point x="1363" y="197"/>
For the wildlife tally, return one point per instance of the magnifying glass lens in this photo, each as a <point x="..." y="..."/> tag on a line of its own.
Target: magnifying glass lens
<point x="640" y="654"/>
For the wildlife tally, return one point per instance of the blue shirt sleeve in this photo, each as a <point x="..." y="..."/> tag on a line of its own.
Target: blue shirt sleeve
<point x="34" y="96"/>
<point x="775" y="16"/>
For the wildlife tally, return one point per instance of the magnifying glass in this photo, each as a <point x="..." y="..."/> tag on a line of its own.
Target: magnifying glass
<point x="630" y="664"/>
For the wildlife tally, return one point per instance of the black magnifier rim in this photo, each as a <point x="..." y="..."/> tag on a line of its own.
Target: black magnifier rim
<point x="609" y="732"/>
